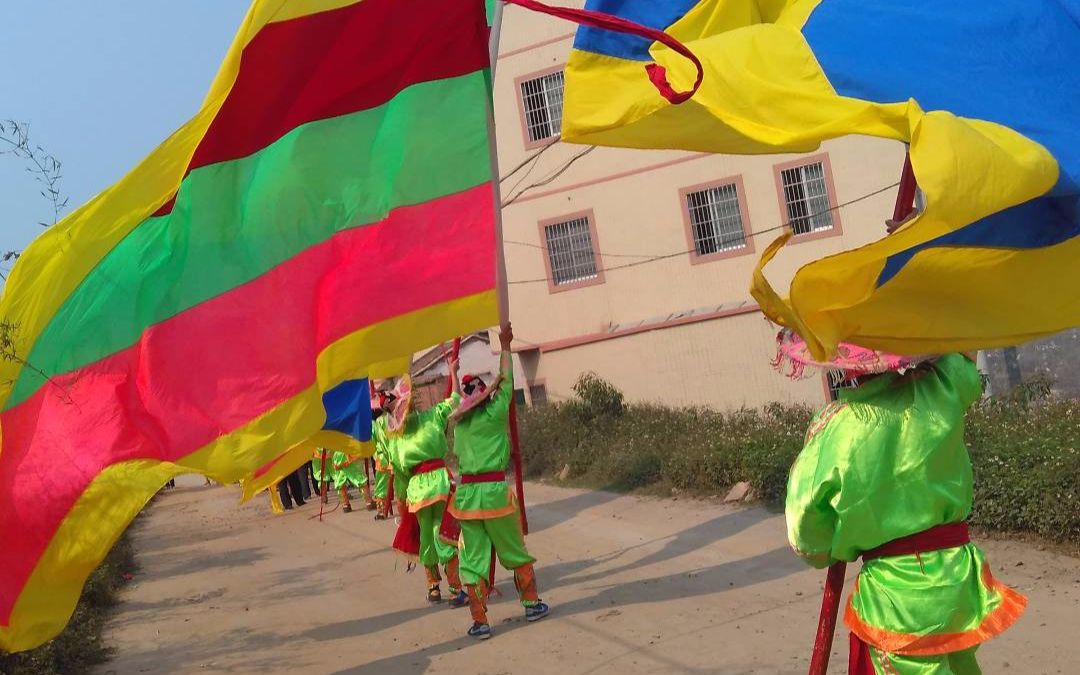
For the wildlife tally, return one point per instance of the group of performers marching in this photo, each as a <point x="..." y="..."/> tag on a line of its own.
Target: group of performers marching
<point x="453" y="528"/>
<point x="884" y="476"/>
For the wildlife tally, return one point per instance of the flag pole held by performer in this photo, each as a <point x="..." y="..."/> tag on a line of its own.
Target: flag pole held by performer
<point x="834" y="581"/>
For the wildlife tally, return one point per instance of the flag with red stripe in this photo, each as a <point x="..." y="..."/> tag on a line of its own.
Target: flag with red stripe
<point x="328" y="210"/>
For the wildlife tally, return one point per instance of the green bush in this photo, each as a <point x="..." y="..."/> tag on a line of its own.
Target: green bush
<point x="1023" y="449"/>
<point x="79" y="648"/>
<point x="1026" y="462"/>
<point x="597" y="400"/>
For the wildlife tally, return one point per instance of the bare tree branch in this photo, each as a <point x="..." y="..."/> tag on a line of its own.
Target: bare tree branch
<point x="47" y="170"/>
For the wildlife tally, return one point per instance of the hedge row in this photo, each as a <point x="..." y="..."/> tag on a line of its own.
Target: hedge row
<point x="1024" y="450"/>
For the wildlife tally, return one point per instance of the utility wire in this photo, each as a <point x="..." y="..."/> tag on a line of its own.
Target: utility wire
<point x="668" y="256"/>
<point x="530" y="158"/>
<point x="551" y="177"/>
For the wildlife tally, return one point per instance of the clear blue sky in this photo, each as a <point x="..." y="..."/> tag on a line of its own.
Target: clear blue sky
<point x="101" y="83"/>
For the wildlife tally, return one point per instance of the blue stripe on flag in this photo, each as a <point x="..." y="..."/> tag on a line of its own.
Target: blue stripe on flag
<point x="1034" y="224"/>
<point x="652" y="13"/>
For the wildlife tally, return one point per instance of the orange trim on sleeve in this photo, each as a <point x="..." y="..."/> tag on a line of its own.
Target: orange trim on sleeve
<point x="997" y="622"/>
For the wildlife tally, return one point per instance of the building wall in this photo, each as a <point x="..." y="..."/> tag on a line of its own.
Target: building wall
<point x="634" y="200"/>
<point x="1056" y="358"/>
<point x="722" y="362"/>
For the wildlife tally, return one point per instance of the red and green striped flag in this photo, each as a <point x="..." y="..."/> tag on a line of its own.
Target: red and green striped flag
<point x="328" y="210"/>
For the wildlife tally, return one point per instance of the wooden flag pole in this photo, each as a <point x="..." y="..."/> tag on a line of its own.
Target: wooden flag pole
<point x="834" y="581"/>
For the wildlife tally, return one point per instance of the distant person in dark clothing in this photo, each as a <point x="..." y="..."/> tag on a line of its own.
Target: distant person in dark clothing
<point x="290" y="491"/>
<point x="302" y="478"/>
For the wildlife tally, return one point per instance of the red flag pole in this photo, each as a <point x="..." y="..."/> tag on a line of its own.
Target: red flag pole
<point x="905" y="195"/>
<point x="834" y="581"/>
<point x="370" y="471"/>
<point x="515" y="456"/>
<point x="502" y="289"/>
<point x="830" y="607"/>
<point x="322" y="480"/>
<point x="455" y="351"/>
<point x="390" y="496"/>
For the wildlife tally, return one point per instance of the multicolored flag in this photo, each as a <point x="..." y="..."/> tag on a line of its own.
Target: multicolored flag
<point x="985" y="93"/>
<point x="328" y="210"/>
<point x="348" y="419"/>
<point x="347" y="428"/>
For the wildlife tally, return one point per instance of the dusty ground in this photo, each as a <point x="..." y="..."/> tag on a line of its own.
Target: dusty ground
<point x="637" y="585"/>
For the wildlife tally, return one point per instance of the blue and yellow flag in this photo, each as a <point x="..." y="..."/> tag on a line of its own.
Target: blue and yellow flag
<point x="347" y="428"/>
<point x="348" y="419"/>
<point x="986" y="93"/>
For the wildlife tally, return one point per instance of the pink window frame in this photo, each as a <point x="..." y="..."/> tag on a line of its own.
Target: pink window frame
<point x="530" y="144"/>
<point x="598" y="279"/>
<point x="688" y="225"/>
<point x="837" y="228"/>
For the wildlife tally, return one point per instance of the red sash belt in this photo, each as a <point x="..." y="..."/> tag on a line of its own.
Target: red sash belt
<point x="429" y="466"/>
<point x="935" y="539"/>
<point x="489" y="477"/>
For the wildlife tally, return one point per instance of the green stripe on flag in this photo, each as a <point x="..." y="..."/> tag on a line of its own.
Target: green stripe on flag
<point x="236" y="220"/>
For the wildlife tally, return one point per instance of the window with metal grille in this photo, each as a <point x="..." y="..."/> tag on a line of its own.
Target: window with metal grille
<point x="538" y="393"/>
<point x="716" y="221"/>
<point x="570" y="251"/>
<point x="806" y="195"/>
<point x="542" y="100"/>
<point x="837" y="382"/>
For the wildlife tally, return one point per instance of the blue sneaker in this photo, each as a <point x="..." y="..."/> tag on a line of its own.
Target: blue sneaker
<point x="459" y="600"/>
<point x="480" y="631"/>
<point x="536" y="612"/>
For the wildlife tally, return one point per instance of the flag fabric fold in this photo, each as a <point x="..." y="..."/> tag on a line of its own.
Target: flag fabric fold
<point x="984" y="94"/>
<point x="328" y="211"/>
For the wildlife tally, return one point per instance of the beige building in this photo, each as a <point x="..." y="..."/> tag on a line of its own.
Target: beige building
<point x="636" y="265"/>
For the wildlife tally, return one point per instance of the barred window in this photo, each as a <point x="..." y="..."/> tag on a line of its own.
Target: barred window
<point x="538" y="393"/>
<point x="716" y="221"/>
<point x="806" y="196"/>
<point x="542" y="100"/>
<point x="836" y="381"/>
<point x="570" y="251"/>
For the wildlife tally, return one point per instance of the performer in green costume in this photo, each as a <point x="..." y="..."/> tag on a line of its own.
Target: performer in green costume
<point x="347" y="471"/>
<point x="417" y="448"/>
<point x="483" y="502"/>
<point x="384" y="472"/>
<point x="322" y="468"/>
<point x="885" y="475"/>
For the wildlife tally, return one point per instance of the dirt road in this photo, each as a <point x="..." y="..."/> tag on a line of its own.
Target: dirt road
<point x="637" y="585"/>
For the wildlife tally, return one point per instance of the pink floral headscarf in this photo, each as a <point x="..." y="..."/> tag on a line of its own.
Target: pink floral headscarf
<point x="793" y="357"/>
